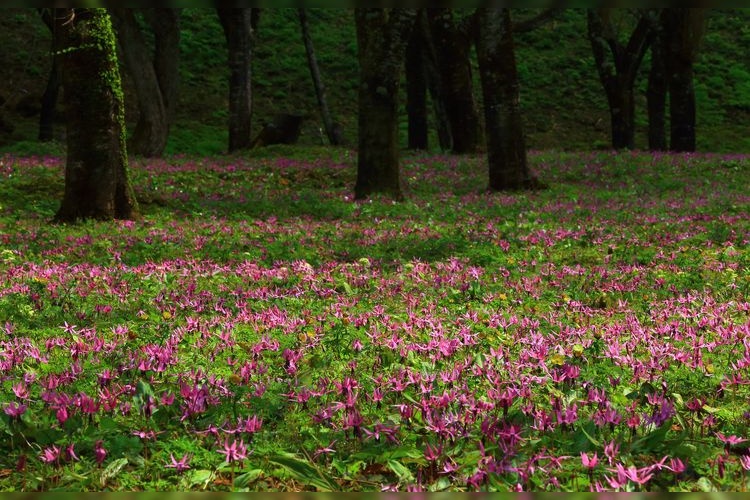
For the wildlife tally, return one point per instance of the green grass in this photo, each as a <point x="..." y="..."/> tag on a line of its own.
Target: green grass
<point x="608" y="311"/>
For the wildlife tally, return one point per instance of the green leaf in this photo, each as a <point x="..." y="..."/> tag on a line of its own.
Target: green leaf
<point x="590" y="437"/>
<point x="112" y="470"/>
<point x="304" y="472"/>
<point x="403" y="472"/>
<point x="201" y="477"/>
<point x="706" y="485"/>
<point x="404" y="451"/>
<point x="442" y="484"/>
<point x="244" y="480"/>
<point x="653" y="440"/>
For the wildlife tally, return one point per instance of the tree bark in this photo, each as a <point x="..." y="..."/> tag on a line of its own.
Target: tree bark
<point x="434" y="83"/>
<point x="416" y="91"/>
<point x="165" y="24"/>
<point x="332" y="132"/>
<point x="239" y="30"/>
<point x="49" y="103"/>
<point x="382" y="35"/>
<point x="656" y="92"/>
<point x="684" y="29"/>
<point x="52" y="90"/>
<point x="506" y="149"/>
<point x="618" y="76"/>
<point x="150" y="135"/>
<point x="453" y="47"/>
<point x="96" y="174"/>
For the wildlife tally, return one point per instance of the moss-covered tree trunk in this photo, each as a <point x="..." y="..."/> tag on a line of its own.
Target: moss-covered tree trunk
<point x="382" y="35"/>
<point x="452" y="40"/>
<point x="96" y="171"/>
<point x="506" y="149"/>
<point x="617" y="65"/>
<point x="239" y="30"/>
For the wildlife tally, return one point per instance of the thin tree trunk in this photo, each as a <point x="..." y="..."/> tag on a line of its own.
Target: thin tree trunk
<point x="382" y="35"/>
<point x="434" y="84"/>
<point x="622" y="114"/>
<point x="453" y="47"/>
<point x="656" y="93"/>
<point x="49" y="103"/>
<point x="239" y="26"/>
<point x="416" y="91"/>
<point x="165" y="24"/>
<point x="618" y="75"/>
<point x="150" y="135"/>
<point x="684" y="29"/>
<point x="506" y="149"/>
<point x="332" y="132"/>
<point x="96" y="174"/>
<point x="682" y="110"/>
<point x="52" y="90"/>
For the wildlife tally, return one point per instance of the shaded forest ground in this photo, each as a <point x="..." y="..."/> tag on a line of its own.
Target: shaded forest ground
<point x="563" y="101"/>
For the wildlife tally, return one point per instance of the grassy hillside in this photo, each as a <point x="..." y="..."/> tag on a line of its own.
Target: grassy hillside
<point x="562" y="98"/>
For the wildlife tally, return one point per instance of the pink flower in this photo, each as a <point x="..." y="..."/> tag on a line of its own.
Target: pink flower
<point x="178" y="465"/>
<point x="147" y="435"/>
<point x="99" y="452"/>
<point x="639" y="476"/>
<point x="611" y="450"/>
<point x="234" y="452"/>
<point x="62" y="414"/>
<point x="70" y="453"/>
<point x="325" y="450"/>
<point x="21" y="390"/>
<point x="729" y="440"/>
<point x="449" y="467"/>
<point x="676" y="465"/>
<point x="50" y="455"/>
<point x="432" y="453"/>
<point x="587" y="462"/>
<point x="15" y="410"/>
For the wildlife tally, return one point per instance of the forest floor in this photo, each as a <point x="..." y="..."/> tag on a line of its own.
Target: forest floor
<point x="260" y="330"/>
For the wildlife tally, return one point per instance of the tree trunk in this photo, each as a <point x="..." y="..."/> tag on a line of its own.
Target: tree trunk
<point x="165" y="24"/>
<point x="618" y="76"/>
<point x="622" y="114"/>
<point x="416" y="91"/>
<point x="382" y="35"/>
<point x="152" y="129"/>
<point x="52" y="90"/>
<point x="96" y="174"/>
<point x="682" y="109"/>
<point x="506" y="149"/>
<point x="49" y="103"/>
<point x="332" y="132"/>
<point x="239" y="30"/>
<point x="684" y="29"/>
<point x="434" y="83"/>
<point x="656" y="93"/>
<point x="453" y="47"/>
